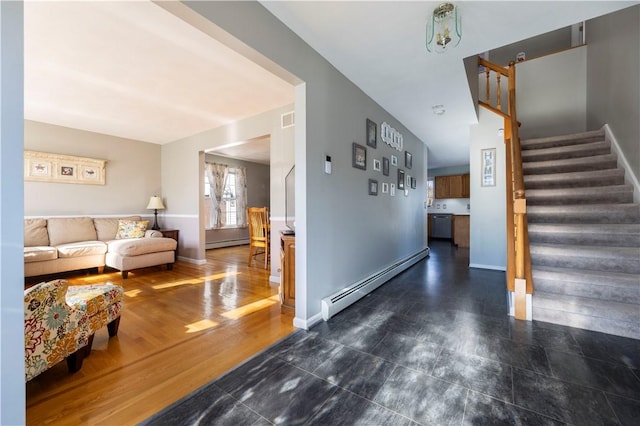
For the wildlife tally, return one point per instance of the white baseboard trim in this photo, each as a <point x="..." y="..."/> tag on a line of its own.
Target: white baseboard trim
<point x="492" y="267"/>
<point x="226" y="243"/>
<point x="194" y="261"/>
<point x="629" y="176"/>
<point x="307" y="324"/>
<point x="274" y="279"/>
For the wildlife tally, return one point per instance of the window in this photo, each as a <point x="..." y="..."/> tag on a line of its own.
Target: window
<point x="229" y="200"/>
<point x="430" y="192"/>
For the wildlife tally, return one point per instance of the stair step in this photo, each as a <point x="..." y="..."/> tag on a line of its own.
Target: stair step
<point x="575" y="179"/>
<point x="585" y="213"/>
<point x="582" y="164"/>
<point x="621" y="235"/>
<point x="593" y="258"/>
<point x="621" y="319"/>
<point x="609" y="286"/>
<point x="604" y="194"/>
<point x="563" y="140"/>
<point x="563" y="152"/>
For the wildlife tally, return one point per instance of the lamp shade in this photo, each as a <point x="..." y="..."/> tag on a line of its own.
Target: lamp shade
<point x="155" y="202"/>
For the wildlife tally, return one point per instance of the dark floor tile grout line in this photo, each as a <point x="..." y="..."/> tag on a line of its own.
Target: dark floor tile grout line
<point x="464" y="410"/>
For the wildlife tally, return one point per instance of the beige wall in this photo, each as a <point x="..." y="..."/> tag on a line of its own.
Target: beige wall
<point x="132" y="173"/>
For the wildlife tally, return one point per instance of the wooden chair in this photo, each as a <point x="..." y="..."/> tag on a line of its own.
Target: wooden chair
<point x="259" y="230"/>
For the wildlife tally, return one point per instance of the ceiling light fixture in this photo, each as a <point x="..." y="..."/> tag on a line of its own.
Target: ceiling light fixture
<point x="438" y="109"/>
<point x="444" y="29"/>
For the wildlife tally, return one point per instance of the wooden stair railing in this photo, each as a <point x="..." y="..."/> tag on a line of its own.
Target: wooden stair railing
<point x="519" y="277"/>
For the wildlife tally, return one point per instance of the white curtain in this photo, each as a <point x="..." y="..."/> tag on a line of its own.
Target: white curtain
<point x="241" y="196"/>
<point x="217" y="174"/>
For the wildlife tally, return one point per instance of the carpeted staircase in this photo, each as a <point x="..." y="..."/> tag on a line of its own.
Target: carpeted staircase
<point x="584" y="232"/>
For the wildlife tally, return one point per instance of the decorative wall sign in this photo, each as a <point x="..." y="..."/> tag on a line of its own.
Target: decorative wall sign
<point x="372" y="134"/>
<point x="359" y="157"/>
<point x="45" y="167"/>
<point x="488" y="167"/>
<point x="376" y="164"/>
<point x="391" y="136"/>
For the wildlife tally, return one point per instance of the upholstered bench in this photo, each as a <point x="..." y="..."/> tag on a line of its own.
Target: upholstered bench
<point x="60" y="322"/>
<point x="103" y="304"/>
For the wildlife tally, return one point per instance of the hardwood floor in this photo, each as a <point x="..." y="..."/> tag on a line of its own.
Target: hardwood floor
<point x="179" y="330"/>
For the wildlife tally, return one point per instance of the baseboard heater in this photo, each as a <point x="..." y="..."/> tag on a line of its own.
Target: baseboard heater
<point x="338" y="301"/>
<point x="225" y="243"/>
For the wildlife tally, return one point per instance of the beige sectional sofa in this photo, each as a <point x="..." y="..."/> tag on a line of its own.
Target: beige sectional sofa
<point x="65" y="244"/>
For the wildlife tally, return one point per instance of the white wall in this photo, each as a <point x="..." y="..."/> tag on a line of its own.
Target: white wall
<point x="551" y="94"/>
<point x="488" y="204"/>
<point x="345" y="234"/>
<point x="182" y="183"/>
<point x="132" y="173"/>
<point x="12" y="386"/>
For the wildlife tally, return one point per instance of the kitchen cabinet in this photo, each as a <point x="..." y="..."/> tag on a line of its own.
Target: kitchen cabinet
<point x="461" y="230"/>
<point x="288" y="274"/>
<point x="452" y="186"/>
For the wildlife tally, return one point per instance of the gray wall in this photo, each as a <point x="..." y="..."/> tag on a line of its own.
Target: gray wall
<point x="258" y="187"/>
<point x="132" y="173"/>
<point x="533" y="47"/>
<point x="345" y="234"/>
<point x="12" y="386"/>
<point x="613" y="79"/>
<point x="488" y="204"/>
<point x="551" y="95"/>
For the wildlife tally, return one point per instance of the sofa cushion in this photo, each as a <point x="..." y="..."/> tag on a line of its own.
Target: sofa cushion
<point x="81" y="248"/>
<point x="35" y="232"/>
<point x="70" y="230"/>
<point x="107" y="227"/>
<point x="131" y="228"/>
<point x="38" y="253"/>
<point x="138" y="246"/>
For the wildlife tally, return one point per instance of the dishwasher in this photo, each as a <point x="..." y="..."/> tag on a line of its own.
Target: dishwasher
<point x="441" y="225"/>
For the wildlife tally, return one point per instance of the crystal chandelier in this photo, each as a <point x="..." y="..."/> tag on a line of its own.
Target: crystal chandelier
<point x="444" y="29"/>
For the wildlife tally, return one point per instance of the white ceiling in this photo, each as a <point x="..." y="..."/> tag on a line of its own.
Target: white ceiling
<point x="134" y="70"/>
<point x="131" y="69"/>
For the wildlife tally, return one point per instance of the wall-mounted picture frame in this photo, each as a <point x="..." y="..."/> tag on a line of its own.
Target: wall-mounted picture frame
<point x="408" y="181"/>
<point x="372" y="134"/>
<point x="46" y="167"/>
<point x="385" y="188"/>
<point x="392" y="189"/>
<point x="385" y="166"/>
<point x="401" y="179"/>
<point x="394" y="160"/>
<point x="359" y="156"/>
<point x="488" y="167"/>
<point x="376" y="164"/>
<point x="373" y="187"/>
<point x="408" y="160"/>
<point x="414" y="183"/>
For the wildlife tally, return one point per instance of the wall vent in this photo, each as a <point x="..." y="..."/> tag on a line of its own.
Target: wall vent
<point x="338" y="301"/>
<point x="288" y="120"/>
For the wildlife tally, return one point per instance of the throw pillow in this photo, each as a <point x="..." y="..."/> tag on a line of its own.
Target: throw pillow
<point x="131" y="229"/>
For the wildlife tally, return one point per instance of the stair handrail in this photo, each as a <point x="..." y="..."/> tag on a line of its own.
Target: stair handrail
<point x="519" y="276"/>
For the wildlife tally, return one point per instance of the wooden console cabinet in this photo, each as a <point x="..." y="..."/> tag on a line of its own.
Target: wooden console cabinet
<point x="288" y="274"/>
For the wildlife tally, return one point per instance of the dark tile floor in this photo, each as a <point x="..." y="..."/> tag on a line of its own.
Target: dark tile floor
<point x="433" y="346"/>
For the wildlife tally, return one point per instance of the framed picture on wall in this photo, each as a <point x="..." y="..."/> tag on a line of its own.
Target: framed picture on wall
<point x="376" y="164"/>
<point x="392" y="189"/>
<point x="394" y="160"/>
<point x="385" y="166"/>
<point x="401" y="179"/>
<point x="488" y="167"/>
<point x="372" y="134"/>
<point x="359" y="157"/>
<point x="408" y="160"/>
<point x="385" y="187"/>
<point x="373" y="187"/>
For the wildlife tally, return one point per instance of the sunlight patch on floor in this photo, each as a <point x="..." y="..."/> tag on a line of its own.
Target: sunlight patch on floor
<point x="198" y="281"/>
<point x="252" y="307"/>
<point x="132" y="293"/>
<point x="201" y="325"/>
